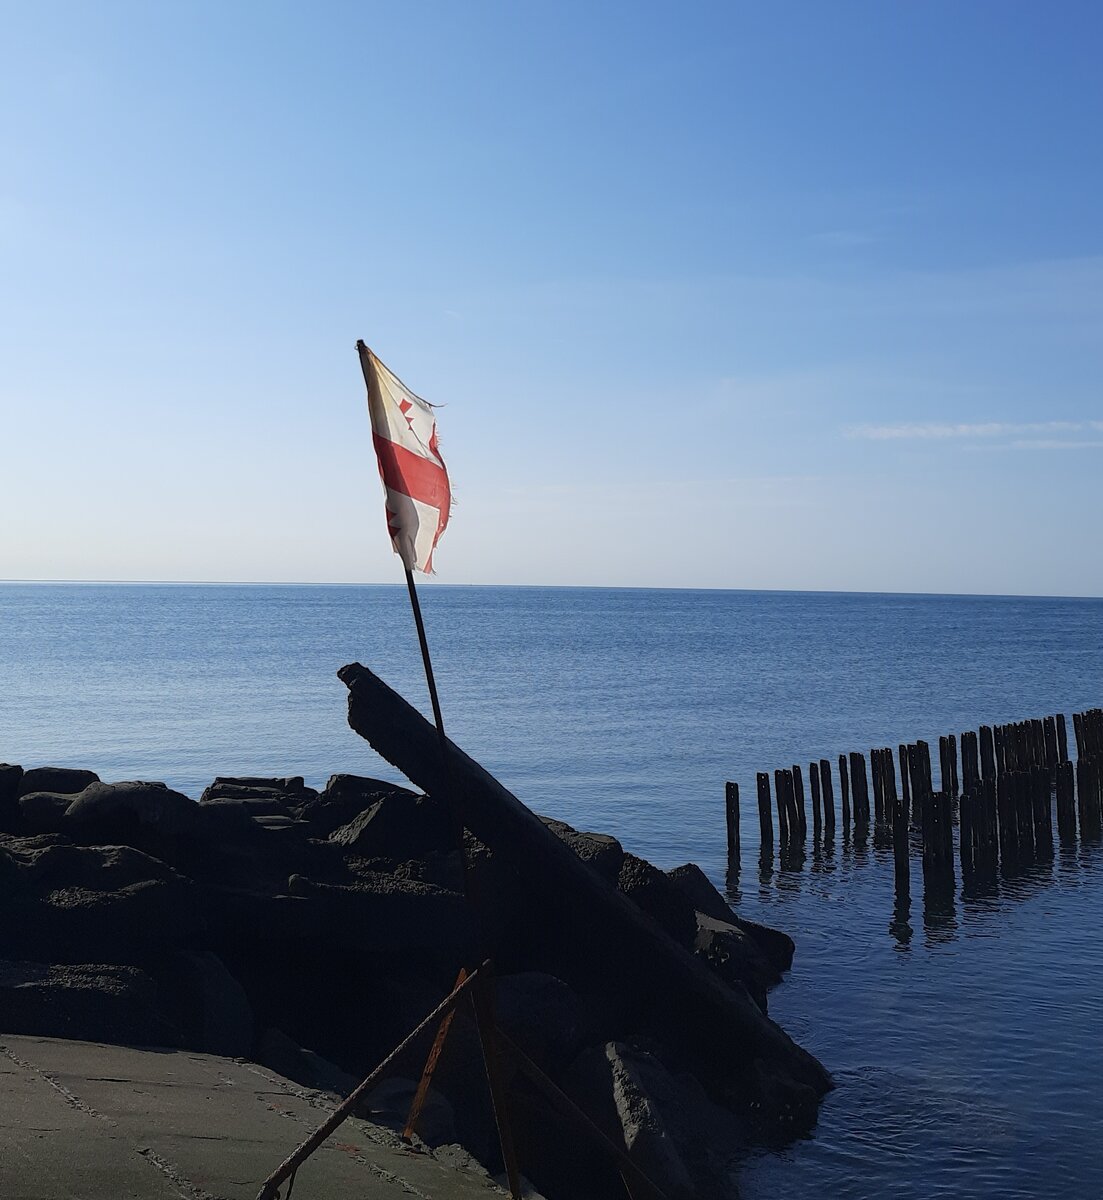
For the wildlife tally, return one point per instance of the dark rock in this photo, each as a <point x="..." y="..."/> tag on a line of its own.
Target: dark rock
<point x="398" y="826"/>
<point x="343" y="797"/>
<point x="598" y="850"/>
<point x="733" y="956"/>
<point x="543" y="1016"/>
<point x="66" y="780"/>
<point x="252" y="805"/>
<point x="677" y="1136"/>
<point x="87" y="1001"/>
<point x="43" y="812"/>
<point x="209" y="1004"/>
<point x="68" y="903"/>
<point x="695" y="886"/>
<point x="286" y="783"/>
<point x="280" y="799"/>
<point x="783" y="1102"/>
<point x="652" y="891"/>
<point x="286" y="1057"/>
<point x="114" y="812"/>
<point x="10" y="813"/>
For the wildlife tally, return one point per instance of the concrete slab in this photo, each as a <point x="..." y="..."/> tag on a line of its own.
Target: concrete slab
<point x="84" y="1121"/>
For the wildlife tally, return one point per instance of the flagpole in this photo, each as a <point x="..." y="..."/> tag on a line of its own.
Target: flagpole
<point x="482" y="1001"/>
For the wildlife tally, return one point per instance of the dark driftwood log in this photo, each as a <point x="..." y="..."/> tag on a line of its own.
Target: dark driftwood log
<point x="638" y="954"/>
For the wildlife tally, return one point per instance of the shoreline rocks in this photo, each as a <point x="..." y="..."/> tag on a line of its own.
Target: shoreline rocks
<point x="310" y="931"/>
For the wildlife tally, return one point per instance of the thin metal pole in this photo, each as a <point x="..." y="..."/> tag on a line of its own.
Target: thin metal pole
<point x="344" y="1110"/>
<point x="483" y="1001"/>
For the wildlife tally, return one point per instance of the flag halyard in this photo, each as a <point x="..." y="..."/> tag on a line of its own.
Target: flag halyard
<point x="415" y="479"/>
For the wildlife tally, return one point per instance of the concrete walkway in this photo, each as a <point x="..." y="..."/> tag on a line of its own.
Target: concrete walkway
<point x="83" y="1121"/>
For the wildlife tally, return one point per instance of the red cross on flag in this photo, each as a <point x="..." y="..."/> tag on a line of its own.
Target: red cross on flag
<point x="415" y="478"/>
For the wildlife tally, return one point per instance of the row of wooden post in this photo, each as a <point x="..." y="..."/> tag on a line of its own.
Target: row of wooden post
<point x="1009" y="775"/>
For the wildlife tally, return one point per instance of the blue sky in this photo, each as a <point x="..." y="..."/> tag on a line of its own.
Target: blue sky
<point x="797" y="295"/>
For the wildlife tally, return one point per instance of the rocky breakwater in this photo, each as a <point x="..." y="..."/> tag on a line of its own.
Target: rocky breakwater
<point x="310" y="931"/>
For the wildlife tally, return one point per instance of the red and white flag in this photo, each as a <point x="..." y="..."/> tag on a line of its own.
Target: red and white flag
<point x="415" y="478"/>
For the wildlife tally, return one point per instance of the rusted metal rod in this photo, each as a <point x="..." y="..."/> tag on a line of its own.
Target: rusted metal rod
<point x="269" y="1189"/>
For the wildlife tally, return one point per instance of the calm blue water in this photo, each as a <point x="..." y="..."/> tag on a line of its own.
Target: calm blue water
<point x="965" y="1038"/>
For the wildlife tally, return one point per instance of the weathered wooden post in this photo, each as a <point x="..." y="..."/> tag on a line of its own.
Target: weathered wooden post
<point x="731" y="810"/>
<point x="817" y="814"/>
<point x="878" y="787"/>
<point x="782" y="808"/>
<point x="844" y="791"/>
<point x="955" y="783"/>
<point x="765" y="818"/>
<point x="1062" y="739"/>
<point x="860" y="784"/>
<point x="905" y="784"/>
<point x="1066" y="803"/>
<point x="987" y="752"/>
<point x="798" y="795"/>
<point x="898" y="814"/>
<point x="828" y="799"/>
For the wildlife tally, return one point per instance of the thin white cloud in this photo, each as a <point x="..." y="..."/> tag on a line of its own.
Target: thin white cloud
<point x="1030" y="432"/>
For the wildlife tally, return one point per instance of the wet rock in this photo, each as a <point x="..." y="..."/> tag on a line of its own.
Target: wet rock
<point x="732" y="955"/>
<point x="777" y="947"/>
<point x="88" y="1001"/>
<point x="66" y="780"/>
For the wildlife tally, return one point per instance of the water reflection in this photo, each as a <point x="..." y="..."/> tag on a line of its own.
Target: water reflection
<point x="949" y="890"/>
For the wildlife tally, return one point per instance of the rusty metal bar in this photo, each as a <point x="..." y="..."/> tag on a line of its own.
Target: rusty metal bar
<point x="430" y="1066"/>
<point x="269" y="1189"/>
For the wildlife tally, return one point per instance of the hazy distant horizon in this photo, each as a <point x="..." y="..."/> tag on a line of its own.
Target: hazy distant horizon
<point x="439" y="583"/>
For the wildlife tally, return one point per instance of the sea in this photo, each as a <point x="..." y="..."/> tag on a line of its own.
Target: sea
<point x="965" y="1036"/>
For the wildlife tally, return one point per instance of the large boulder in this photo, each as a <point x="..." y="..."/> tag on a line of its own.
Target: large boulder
<point x="114" y="812"/>
<point x="734" y="957"/>
<point x="652" y="891"/>
<point x="694" y="884"/>
<point x="210" y="1006"/>
<point x="543" y="1016"/>
<point x="281" y="794"/>
<point x="67" y="780"/>
<point x="70" y="903"/>
<point x="343" y="797"/>
<point x="91" y="1002"/>
<point x="598" y="850"/>
<point x="680" y="1139"/>
<point x="399" y="827"/>
<point x="43" y="812"/>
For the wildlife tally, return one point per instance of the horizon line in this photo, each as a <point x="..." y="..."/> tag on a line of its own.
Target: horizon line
<point x="263" y="583"/>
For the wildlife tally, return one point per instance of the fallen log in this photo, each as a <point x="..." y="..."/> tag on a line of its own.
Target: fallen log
<point x="698" y="1013"/>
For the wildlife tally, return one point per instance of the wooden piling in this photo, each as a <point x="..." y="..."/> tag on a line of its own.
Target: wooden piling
<point x="828" y="799"/>
<point x="905" y="784"/>
<point x="765" y="818"/>
<point x="1062" y="739"/>
<point x="844" y="791"/>
<point x="798" y="795"/>
<point x="731" y="810"/>
<point x="987" y="752"/>
<point x="817" y="812"/>
<point x="1066" y="803"/>
<point x="955" y="783"/>
<point x="860" y="784"/>
<point x="877" y="774"/>
<point x="782" y="809"/>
